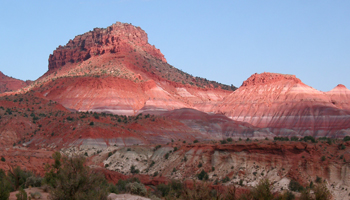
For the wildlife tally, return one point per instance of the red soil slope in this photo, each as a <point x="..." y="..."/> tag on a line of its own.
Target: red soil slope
<point x="285" y="103"/>
<point x="8" y="84"/>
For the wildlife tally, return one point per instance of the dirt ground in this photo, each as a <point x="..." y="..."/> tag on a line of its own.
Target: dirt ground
<point x="44" y="195"/>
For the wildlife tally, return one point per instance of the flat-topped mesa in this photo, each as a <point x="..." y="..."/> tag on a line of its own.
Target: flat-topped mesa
<point x="117" y="38"/>
<point x="266" y="78"/>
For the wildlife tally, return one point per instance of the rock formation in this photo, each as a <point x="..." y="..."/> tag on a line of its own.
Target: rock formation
<point x="288" y="106"/>
<point x="116" y="70"/>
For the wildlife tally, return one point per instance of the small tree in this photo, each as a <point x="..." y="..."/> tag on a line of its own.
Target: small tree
<point x="73" y="180"/>
<point x="5" y="186"/>
<point x="21" y="195"/>
<point x="262" y="191"/>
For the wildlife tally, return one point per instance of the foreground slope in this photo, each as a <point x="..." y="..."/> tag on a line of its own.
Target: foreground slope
<point x="288" y="106"/>
<point x="116" y="70"/>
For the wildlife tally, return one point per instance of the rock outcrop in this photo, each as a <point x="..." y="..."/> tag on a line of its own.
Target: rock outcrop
<point x="288" y="106"/>
<point x="119" y="37"/>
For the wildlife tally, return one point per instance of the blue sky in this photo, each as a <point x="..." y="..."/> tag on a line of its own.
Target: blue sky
<point x="225" y="41"/>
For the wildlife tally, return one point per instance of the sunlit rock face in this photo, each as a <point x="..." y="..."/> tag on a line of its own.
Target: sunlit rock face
<point x="288" y="106"/>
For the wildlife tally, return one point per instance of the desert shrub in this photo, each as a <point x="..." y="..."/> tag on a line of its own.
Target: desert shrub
<point x="288" y="195"/>
<point x="3" y="159"/>
<point x="21" y="195"/>
<point x="223" y="141"/>
<point x="35" y="195"/>
<point x="175" y="149"/>
<point x="203" y="175"/>
<point x="155" y="174"/>
<point x="91" y="123"/>
<point x="164" y="189"/>
<point x="200" y="165"/>
<point x="113" y="189"/>
<point x="195" y="141"/>
<point x="281" y="138"/>
<point x="5" y="186"/>
<point x="346" y="138"/>
<point x="133" y="170"/>
<point x="136" y="188"/>
<point x="321" y="192"/>
<point x="294" y="138"/>
<point x="110" y="154"/>
<point x="166" y="155"/>
<point x="262" y="191"/>
<point x="33" y="181"/>
<point x="229" y="139"/>
<point x="71" y="179"/>
<point x="157" y="147"/>
<point x="342" y="147"/>
<point x="226" y="179"/>
<point x="309" y="138"/>
<point x="318" y="179"/>
<point x="295" y="186"/>
<point x="323" y="158"/>
<point x="18" y="177"/>
<point x="199" y="191"/>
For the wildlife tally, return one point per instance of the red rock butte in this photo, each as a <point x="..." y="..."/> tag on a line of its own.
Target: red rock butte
<point x="119" y="37"/>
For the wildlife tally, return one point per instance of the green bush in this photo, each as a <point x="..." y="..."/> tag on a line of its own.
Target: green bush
<point x="71" y="179"/>
<point x="309" y="138"/>
<point x="229" y="139"/>
<point x="262" y="191"/>
<point x="295" y="186"/>
<point x="5" y="186"/>
<point x="323" y="158"/>
<point x="195" y="141"/>
<point x="203" y="175"/>
<point x="318" y="179"/>
<point x="294" y="138"/>
<point x="21" y="195"/>
<point x="167" y="155"/>
<point x="3" y="159"/>
<point x="346" y="138"/>
<point x="35" y="195"/>
<point x="133" y="170"/>
<point x="136" y="188"/>
<point x="18" y="177"/>
<point x="33" y="181"/>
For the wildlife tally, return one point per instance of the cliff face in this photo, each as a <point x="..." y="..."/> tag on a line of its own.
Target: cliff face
<point x="8" y="84"/>
<point x="117" y="38"/>
<point x="289" y="106"/>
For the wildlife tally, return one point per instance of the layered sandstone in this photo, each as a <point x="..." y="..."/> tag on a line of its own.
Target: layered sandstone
<point x="116" y="70"/>
<point x="288" y="106"/>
